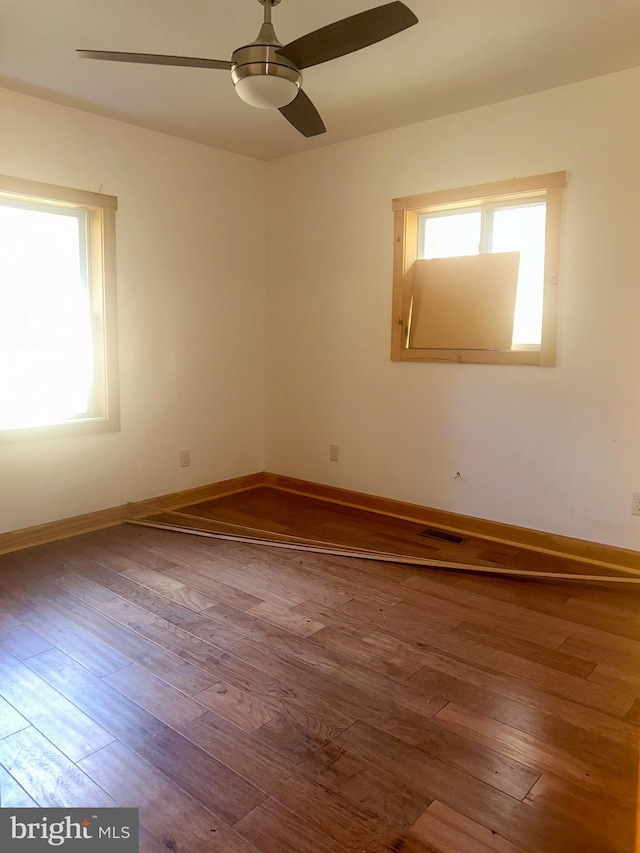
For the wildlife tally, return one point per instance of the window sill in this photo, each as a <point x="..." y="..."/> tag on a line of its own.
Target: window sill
<point x="522" y="357"/>
<point x="67" y="429"/>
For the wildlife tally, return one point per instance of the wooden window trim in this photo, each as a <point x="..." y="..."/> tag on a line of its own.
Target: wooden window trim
<point x="407" y="211"/>
<point x="101" y="228"/>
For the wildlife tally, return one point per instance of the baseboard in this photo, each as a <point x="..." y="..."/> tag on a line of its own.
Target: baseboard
<point x="17" y="540"/>
<point x="194" y="496"/>
<point x="580" y="550"/>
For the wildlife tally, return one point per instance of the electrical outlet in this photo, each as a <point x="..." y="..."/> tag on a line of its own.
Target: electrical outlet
<point x="334" y="453"/>
<point x="185" y="458"/>
<point x="635" y="503"/>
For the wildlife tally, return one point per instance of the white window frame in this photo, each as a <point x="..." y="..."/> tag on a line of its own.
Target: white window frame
<point x="485" y="238"/>
<point x="486" y="211"/>
<point x="98" y="211"/>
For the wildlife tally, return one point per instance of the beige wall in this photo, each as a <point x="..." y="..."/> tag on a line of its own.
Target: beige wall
<point x="553" y="449"/>
<point x="191" y="269"/>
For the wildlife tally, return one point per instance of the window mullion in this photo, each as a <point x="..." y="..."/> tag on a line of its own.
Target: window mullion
<point x="486" y="229"/>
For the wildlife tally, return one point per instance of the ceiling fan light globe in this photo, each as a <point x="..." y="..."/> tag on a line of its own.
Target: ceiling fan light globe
<point x="267" y="92"/>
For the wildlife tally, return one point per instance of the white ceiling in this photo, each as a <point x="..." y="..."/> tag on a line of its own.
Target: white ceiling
<point x="462" y="54"/>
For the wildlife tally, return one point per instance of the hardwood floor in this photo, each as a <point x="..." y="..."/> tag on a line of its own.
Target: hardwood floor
<point x="247" y="699"/>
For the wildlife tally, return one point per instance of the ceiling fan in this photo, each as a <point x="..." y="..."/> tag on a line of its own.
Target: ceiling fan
<point x="267" y="74"/>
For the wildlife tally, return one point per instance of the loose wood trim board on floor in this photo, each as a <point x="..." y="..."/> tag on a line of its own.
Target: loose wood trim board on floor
<point x="197" y="526"/>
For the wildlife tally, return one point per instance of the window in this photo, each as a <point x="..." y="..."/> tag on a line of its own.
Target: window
<point x="58" y="347"/>
<point x="476" y="273"/>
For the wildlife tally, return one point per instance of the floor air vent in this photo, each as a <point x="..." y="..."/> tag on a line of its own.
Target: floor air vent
<point x="443" y="536"/>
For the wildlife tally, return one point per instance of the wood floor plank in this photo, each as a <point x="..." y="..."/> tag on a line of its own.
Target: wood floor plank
<point x="278" y="572"/>
<point x="315" y="660"/>
<point x="170" y="814"/>
<point x="34" y="564"/>
<point x="148" y="843"/>
<point x="12" y="796"/>
<point x="7" y="620"/>
<point x="285" y="618"/>
<point x="23" y="642"/>
<point x="538" y="675"/>
<point x="16" y="596"/>
<point x="283" y="693"/>
<point x="617" y="679"/>
<point x="335" y="619"/>
<point x="516" y="821"/>
<point x="347" y="822"/>
<point x="595" y="721"/>
<point x="364" y="650"/>
<point x="350" y="691"/>
<point x="155" y="626"/>
<point x="155" y="658"/>
<point x="358" y="579"/>
<point x="609" y="617"/>
<point x="404" y="841"/>
<point x="258" y="579"/>
<point x="209" y="781"/>
<point x="48" y="776"/>
<point x="10" y="720"/>
<point x="497" y="639"/>
<point x="185" y="552"/>
<point x="272" y="828"/>
<point x="633" y="716"/>
<point x="171" y="588"/>
<point x="128" y="542"/>
<point x="608" y="820"/>
<point x="555" y="620"/>
<point x="142" y="596"/>
<point x="82" y="646"/>
<point x="526" y="591"/>
<point x="534" y="752"/>
<point x="241" y="622"/>
<point x="389" y="798"/>
<point x="448" y="831"/>
<point x="410" y="618"/>
<point x="384" y="793"/>
<point x="156" y="696"/>
<point x="618" y="652"/>
<point x="236" y="706"/>
<point x="209" y="584"/>
<point x="288" y="737"/>
<point x="602" y="740"/>
<point x="158" y="658"/>
<point x="74" y="733"/>
<point x="107" y="548"/>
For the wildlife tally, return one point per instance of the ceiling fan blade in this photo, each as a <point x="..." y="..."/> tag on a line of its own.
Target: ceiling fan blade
<point x="349" y="35"/>
<point x="303" y="116"/>
<point x="154" y="59"/>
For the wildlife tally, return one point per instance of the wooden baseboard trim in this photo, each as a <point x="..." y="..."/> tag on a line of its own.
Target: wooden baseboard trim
<point x="27" y="537"/>
<point x="198" y="495"/>
<point x="607" y="556"/>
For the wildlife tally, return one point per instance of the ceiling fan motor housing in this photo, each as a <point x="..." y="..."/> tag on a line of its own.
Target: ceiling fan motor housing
<point x="262" y="76"/>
